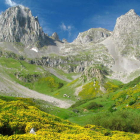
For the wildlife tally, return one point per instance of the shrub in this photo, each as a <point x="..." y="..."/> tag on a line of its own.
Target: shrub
<point x="120" y="120"/>
<point x="94" y="105"/>
<point x="90" y="90"/>
<point x="132" y="102"/>
<point x="75" y="110"/>
<point x="112" y="108"/>
<point x="80" y="102"/>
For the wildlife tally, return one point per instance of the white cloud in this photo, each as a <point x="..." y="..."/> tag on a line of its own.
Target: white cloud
<point x="10" y="3"/>
<point x="66" y="28"/>
<point x="63" y="27"/>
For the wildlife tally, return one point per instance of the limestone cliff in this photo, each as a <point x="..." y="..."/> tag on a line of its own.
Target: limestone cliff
<point x="55" y="36"/>
<point x="126" y="34"/>
<point x="94" y="34"/>
<point x="18" y="25"/>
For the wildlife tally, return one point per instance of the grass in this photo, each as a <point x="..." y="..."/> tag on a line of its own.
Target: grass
<point x="67" y="75"/>
<point x="120" y="99"/>
<point x="17" y="118"/>
<point x="42" y="105"/>
<point x="122" y="120"/>
<point x="132" y="83"/>
<point x="45" y="82"/>
<point x="118" y="109"/>
<point x="68" y="90"/>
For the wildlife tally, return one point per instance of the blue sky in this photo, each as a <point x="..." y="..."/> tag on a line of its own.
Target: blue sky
<point x="69" y="17"/>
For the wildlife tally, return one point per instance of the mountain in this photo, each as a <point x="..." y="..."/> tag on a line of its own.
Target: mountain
<point x="92" y="35"/>
<point x="124" y="45"/>
<point x="55" y="36"/>
<point x="18" y="25"/>
<point x="82" y="81"/>
<point x="126" y="34"/>
<point x="22" y="35"/>
<point x="118" y="50"/>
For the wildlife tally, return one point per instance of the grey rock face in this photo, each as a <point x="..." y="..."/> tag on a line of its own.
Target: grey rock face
<point x="126" y="24"/>
<point x="18" y="25"/>
<point x="55" y="36"/>
<point x="94" y="71"/>
<point x="124" y="46"/>
<point x="126" y="34"/>
<point x="64" y="40"/>
<point x="94" y="34"/>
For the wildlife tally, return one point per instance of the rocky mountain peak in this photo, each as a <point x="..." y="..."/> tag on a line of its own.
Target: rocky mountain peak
<point x="126" y="24"/>
<point x="55" y="36"/>
<point x="64" y="40"/>
<point x="131" y="12"/>
<point x="17" y="24"/>
<point x="124" y="43"/>
<point x="94" y="34"/>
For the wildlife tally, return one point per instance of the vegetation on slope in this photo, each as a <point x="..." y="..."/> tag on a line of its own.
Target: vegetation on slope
<point x="90" y="90"/>
<point x="18" y="118"/>
<point x="95" y="106"/>
<point x="117" y="109"/>
<point x="31" y="76"/>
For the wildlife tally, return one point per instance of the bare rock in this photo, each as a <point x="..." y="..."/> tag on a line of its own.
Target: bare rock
<point x="126" y="35"/>
<point x="18" y="25"/>
<point x="93" y="34"/>
<point x="55" y="36"/>
<point x="32" y="131"/>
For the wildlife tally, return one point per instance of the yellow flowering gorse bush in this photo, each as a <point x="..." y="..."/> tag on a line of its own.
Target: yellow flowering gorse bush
<point x="17" y="119"/>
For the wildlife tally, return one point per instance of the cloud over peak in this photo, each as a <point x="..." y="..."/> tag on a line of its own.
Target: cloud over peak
<point x="10" y="3"/>
<point x="66" y="28"/>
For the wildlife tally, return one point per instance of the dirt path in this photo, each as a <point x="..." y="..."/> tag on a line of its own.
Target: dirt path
<point x="7" y="85"/>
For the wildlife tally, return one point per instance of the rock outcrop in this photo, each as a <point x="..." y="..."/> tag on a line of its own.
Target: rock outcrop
<point x="126" y="34"/>
<point x="95" y="71"/>
<point x="94" y="34"/>
<point x="18" y="25"/>
<point x="118" y="50"/>
<point x="64" y="40"/>
<point x="55" y="36"/>
<point x="124" y="46"/>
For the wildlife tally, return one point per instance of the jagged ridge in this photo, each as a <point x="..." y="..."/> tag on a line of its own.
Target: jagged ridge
<point x="18" y="25"/>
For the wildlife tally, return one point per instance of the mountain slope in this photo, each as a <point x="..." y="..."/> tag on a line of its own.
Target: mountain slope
<point x="21" y="118"/>
<point x="31" y="70"/>
<point x="126" y="34"/>
<point x="17" y="78"/>
<point x="124" y="44"/>
<point x="92" y="35"/>
<point x="20" y="91"/>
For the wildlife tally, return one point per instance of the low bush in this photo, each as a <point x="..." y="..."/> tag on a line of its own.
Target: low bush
<point x="90" y="90"/>
<point x="94" y="105"/>
<point x="124" y="120"/>
<point x="80" y="102"/>
<point x="132" y="102"/>
<point x="112" y="108"/>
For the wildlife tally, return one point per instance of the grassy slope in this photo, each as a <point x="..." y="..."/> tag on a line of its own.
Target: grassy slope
<point x="45" y="83"/>
<point x="18" y="117"/>
<point x="119" y="98"/>
<point x="118" y="107"/>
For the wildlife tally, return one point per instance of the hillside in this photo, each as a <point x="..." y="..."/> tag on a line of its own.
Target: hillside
<point x="18" y="118"/>
<point x="87" y="89"/>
